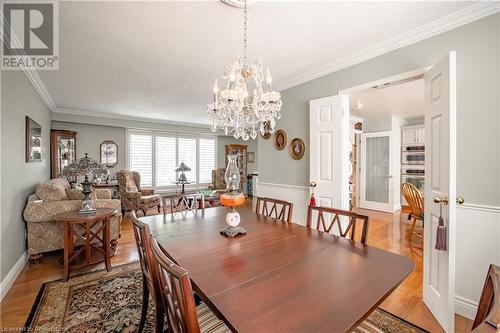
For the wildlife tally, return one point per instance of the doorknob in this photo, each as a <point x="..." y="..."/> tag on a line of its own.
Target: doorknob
<point x="444" y="200"/>
<point x="390" y="176"/>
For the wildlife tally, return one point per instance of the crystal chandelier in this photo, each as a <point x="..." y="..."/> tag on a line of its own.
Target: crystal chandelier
<point x="234" y="109"/>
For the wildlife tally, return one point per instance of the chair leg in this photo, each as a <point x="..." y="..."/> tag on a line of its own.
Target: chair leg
<point x="144" y="211"/>
<point x="145" y="303"/>
<point x="160" y="321"/>
<point x="158" y="209"/>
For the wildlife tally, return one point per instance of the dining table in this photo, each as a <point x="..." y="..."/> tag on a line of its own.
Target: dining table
<point x="279" y="276"/>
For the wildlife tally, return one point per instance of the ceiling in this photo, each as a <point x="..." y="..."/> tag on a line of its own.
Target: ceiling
<point x="405" y="100"/>
<point x="158" y="60"/>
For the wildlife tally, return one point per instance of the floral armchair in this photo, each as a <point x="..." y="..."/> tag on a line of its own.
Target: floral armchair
<point x="134" y="197"/>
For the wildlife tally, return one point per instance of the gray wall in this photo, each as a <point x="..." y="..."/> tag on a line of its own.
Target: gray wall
<point x="19" y="179"/>
<point x="478" y="56"/>
<point x="227" y="140"/>
<point x="90" y="137"/>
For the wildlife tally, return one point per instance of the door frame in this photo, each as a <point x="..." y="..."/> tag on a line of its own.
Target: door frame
<point x="363" y="203"/>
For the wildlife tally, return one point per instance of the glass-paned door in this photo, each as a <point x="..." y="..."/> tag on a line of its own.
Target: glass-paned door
<point x="376" y="171"/>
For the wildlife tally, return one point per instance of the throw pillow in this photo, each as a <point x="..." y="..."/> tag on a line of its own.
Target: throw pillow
<point x="52" y="190"/>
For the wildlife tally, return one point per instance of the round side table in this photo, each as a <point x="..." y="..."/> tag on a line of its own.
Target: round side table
<point x="94" y="233"/>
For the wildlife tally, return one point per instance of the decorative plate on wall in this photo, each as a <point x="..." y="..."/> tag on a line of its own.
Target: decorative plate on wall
<point x="297" y="148"/>
<point x="280" y="139"/>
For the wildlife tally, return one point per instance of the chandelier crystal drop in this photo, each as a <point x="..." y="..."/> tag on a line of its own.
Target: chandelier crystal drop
<point x="237" y="111"/>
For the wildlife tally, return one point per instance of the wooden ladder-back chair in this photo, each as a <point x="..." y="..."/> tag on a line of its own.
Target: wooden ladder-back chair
<point x="488" y="313"/>
<point x="347" y="231"/>
<point x="416" y="202"/>
<point x="183" y="315"/>
<point x="148" y="267"/>
<point x="280" y="210"/>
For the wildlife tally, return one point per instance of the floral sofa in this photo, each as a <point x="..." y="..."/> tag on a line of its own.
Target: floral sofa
<point x="51" y="198"/>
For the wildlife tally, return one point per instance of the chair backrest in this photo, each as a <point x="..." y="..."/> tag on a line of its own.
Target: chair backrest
<point x="346" y="229"/>
<point x="414" y="198"/>
<point x="278" y="209"/>
<point x="218" y="181"/>
<point x="177" y="293"/>
<point x="128" y="181"/>
<point x="488" y="312"/>
<point x="148" y="267"/>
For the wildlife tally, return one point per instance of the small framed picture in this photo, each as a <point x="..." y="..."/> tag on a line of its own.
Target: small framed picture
<point x="109" y="153"/>
<point x="33" y="141"/>
<point x="297" y="148"/>
<point x="266" y="130"/>
<point x="251" y="157"/>
<point x="280" y="139"/>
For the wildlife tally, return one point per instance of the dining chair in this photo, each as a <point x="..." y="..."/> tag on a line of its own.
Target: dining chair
<point x="148" y="267"/>
<point x="183" y="316"/>
<point x="346" y="229"/>
<point x="416" y="203"/>
<point x="278" y="209"/>
<point x="488" y="313"/>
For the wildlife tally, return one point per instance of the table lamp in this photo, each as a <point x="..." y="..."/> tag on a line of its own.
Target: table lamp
<point x="87" y="167"/>
<point x="232" y="198"/>
<point x="182" y="168"/>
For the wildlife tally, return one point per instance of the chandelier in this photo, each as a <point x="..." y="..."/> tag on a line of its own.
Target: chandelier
<point x="234" y="109"/>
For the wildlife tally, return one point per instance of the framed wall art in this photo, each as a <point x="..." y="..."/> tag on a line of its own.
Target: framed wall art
<point x="109" y="153"/>
<point x="297" y="148"/>
<point x="33" y="134"/>
<point x="280" y="139"/>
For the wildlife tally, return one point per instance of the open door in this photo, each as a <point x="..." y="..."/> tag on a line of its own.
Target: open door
<point x="440" y="172"/>
<point x="329" y="134"/>
<point x="377" y="164"/>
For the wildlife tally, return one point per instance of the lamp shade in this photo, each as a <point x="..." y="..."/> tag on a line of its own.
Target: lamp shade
<point x="85" y="166"/>
<point x="182" y="168"/>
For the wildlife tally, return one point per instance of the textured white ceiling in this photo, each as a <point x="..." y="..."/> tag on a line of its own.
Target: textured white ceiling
<point x="159" y="59"/>
<point x="405" y="100"/>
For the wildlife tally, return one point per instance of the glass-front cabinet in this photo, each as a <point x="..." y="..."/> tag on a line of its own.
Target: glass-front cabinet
<point x="62" y="151"/>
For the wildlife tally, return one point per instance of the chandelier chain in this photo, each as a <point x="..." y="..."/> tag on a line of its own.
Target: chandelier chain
<point x="245" y="15"/>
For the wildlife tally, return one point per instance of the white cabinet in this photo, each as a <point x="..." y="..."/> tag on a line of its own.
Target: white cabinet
<point x="412" y="135"/>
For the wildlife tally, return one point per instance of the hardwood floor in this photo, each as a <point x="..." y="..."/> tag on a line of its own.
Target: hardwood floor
<point x="387" y="231"/>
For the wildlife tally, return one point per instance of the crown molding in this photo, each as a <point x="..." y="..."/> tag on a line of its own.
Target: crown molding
<point x="446" y="23"/>
<point x="108" y="115"/>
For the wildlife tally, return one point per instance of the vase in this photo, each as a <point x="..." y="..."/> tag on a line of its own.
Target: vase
<point x="232" y="198"/>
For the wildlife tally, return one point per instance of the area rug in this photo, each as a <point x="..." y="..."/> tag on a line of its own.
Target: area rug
<point x="111" y="302"/>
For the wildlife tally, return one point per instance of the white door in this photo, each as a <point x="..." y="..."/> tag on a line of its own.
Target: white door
<point x="377" y="164"/>
<point x="440" y="172"/>
<point x="329" y="137"/>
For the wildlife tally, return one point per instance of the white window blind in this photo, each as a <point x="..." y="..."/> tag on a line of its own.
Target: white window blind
<point x="141" y="156"/>
<point x="165" y="160"/>
<point x="187" y="154"/>
<point x="207" y="159"/>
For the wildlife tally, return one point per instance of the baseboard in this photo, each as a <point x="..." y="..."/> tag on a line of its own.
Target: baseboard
<point x="11" y="277"/>
<point x="465" y="307"/>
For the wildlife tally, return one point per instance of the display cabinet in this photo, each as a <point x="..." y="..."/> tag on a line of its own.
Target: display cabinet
<point x="62" y="151"/>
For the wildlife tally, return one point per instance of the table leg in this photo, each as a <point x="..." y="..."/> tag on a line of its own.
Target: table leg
<point x="164" y="202"/>
<point x="67" y="251"/>
<point x="106" y="236"/>
<point x="87" y="245"/>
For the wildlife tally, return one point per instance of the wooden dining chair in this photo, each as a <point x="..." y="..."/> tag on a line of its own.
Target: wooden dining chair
<point x="416" y="203"/>
<point x="346" y="230"/>
<point x="183" y="315"/>
<point x="278" y="209"/>
<point x="148" y="267"/>
<point x="488" y="313"/>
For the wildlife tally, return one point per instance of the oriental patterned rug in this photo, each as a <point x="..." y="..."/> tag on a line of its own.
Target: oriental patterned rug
<point x="111" y="302"/>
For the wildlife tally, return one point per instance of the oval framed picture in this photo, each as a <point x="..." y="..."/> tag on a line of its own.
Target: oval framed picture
<point x="297" y="148"/>
<point x="280" y="139"/>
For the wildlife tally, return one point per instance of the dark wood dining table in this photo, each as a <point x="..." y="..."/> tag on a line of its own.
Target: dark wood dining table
<point x="279" y="277"/>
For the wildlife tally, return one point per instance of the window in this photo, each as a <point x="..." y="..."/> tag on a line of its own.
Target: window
<point x="207" y="159"/>
<point x="156" y="155"/>
<point x="141" y="157"/>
